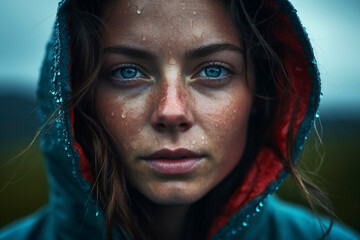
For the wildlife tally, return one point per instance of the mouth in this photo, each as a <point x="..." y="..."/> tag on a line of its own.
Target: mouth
<point x="169" y="162"/>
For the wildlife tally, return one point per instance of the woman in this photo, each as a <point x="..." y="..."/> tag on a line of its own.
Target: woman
<point x="176" y="120"/>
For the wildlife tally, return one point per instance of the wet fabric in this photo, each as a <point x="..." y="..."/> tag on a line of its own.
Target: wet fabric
<point x="251" y="212"/>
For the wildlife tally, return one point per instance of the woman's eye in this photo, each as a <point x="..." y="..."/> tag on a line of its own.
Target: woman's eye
<point x="213" y="72"/>
<point x="126" y="73"/>
<point x="126" y="76"/>
<point x="214" y="75"/>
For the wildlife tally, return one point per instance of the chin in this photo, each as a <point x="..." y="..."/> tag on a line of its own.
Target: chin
<point x="174" y="194"/>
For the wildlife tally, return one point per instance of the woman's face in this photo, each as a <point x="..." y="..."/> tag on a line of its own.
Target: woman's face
<point x="173" y="95"/>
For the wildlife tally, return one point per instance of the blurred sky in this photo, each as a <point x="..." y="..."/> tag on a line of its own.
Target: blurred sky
<point x="333" y="28"/>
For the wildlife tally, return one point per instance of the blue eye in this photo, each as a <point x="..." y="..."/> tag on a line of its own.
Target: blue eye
<point x="213" y="72"/>
<point x="127" y="76"/>
<point x="127" y="73"/>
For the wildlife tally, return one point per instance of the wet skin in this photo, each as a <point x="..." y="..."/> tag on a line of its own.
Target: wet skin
<point x="173" y="78"/>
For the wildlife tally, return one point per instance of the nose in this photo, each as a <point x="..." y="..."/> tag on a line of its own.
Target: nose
<point x="173" y="112"/>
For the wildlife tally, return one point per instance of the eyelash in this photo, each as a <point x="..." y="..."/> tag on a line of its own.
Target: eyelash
<point x="223" y="68"/>
<point x="123" y="81"/>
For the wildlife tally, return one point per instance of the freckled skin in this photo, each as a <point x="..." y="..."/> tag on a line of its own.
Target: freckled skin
<point x="171" y="108"/>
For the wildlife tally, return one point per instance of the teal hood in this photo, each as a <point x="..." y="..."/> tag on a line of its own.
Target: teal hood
<point x="72" y="212"/>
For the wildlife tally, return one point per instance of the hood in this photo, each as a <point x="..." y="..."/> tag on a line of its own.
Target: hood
<point x="69" y="172"/>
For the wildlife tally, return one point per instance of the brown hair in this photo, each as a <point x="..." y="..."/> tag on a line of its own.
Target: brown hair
<point x="122" y="204"/>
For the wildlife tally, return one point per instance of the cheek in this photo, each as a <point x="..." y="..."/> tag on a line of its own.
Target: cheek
<point x="226" y="123"/>
<point x="227" y="119"/>
<point x="121" y="121"/>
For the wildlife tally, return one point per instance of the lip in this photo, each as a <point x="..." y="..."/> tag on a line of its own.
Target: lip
<point x="171" y="162"/>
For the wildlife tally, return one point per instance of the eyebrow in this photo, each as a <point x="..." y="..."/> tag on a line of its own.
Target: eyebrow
<point x="130" y="52"/>
<point x="211" y="49"/>
<point x="192" y="54"/>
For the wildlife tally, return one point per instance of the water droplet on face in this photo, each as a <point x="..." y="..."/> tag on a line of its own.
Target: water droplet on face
<point x="206" y="142"/>
<point x="184" y="8"/>
<point x="194" y="12"/>
<point x="144" y="38"/>
<point x="123" y="115"/>
<point x="193" y="142"/>
<point x="172" y="61"/>
<point x="172" y="27"/>
<point x="112" y="114"/>
<point x="234" y="110"/>
<point x="138" y="11"/>
<point x="202" y="137"/>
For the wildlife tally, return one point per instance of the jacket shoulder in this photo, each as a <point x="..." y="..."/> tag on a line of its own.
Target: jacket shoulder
<point x="292" y="221"/>
<point x="281" y="220"/>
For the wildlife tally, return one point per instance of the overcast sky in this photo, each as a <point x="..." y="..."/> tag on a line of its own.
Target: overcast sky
<point x="333" y="28"/>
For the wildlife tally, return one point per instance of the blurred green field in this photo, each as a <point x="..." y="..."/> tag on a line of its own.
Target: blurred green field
<point x="23" y="184"/>
<point x="339" y="172"/>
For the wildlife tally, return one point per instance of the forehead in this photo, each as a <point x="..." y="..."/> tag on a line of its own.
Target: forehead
<point x="164" y="23"/>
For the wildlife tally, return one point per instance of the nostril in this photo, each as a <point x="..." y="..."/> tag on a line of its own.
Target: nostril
<point x="172" y="117"/>
<point x="184" y="126"/>
<point x="160" y="126"/>
<point x="180" y="127"/>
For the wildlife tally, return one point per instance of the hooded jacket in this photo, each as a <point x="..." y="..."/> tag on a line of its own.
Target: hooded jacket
<point x="251" y="212"/>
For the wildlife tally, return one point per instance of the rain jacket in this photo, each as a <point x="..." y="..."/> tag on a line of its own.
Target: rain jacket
<point x="251" y="213"/>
